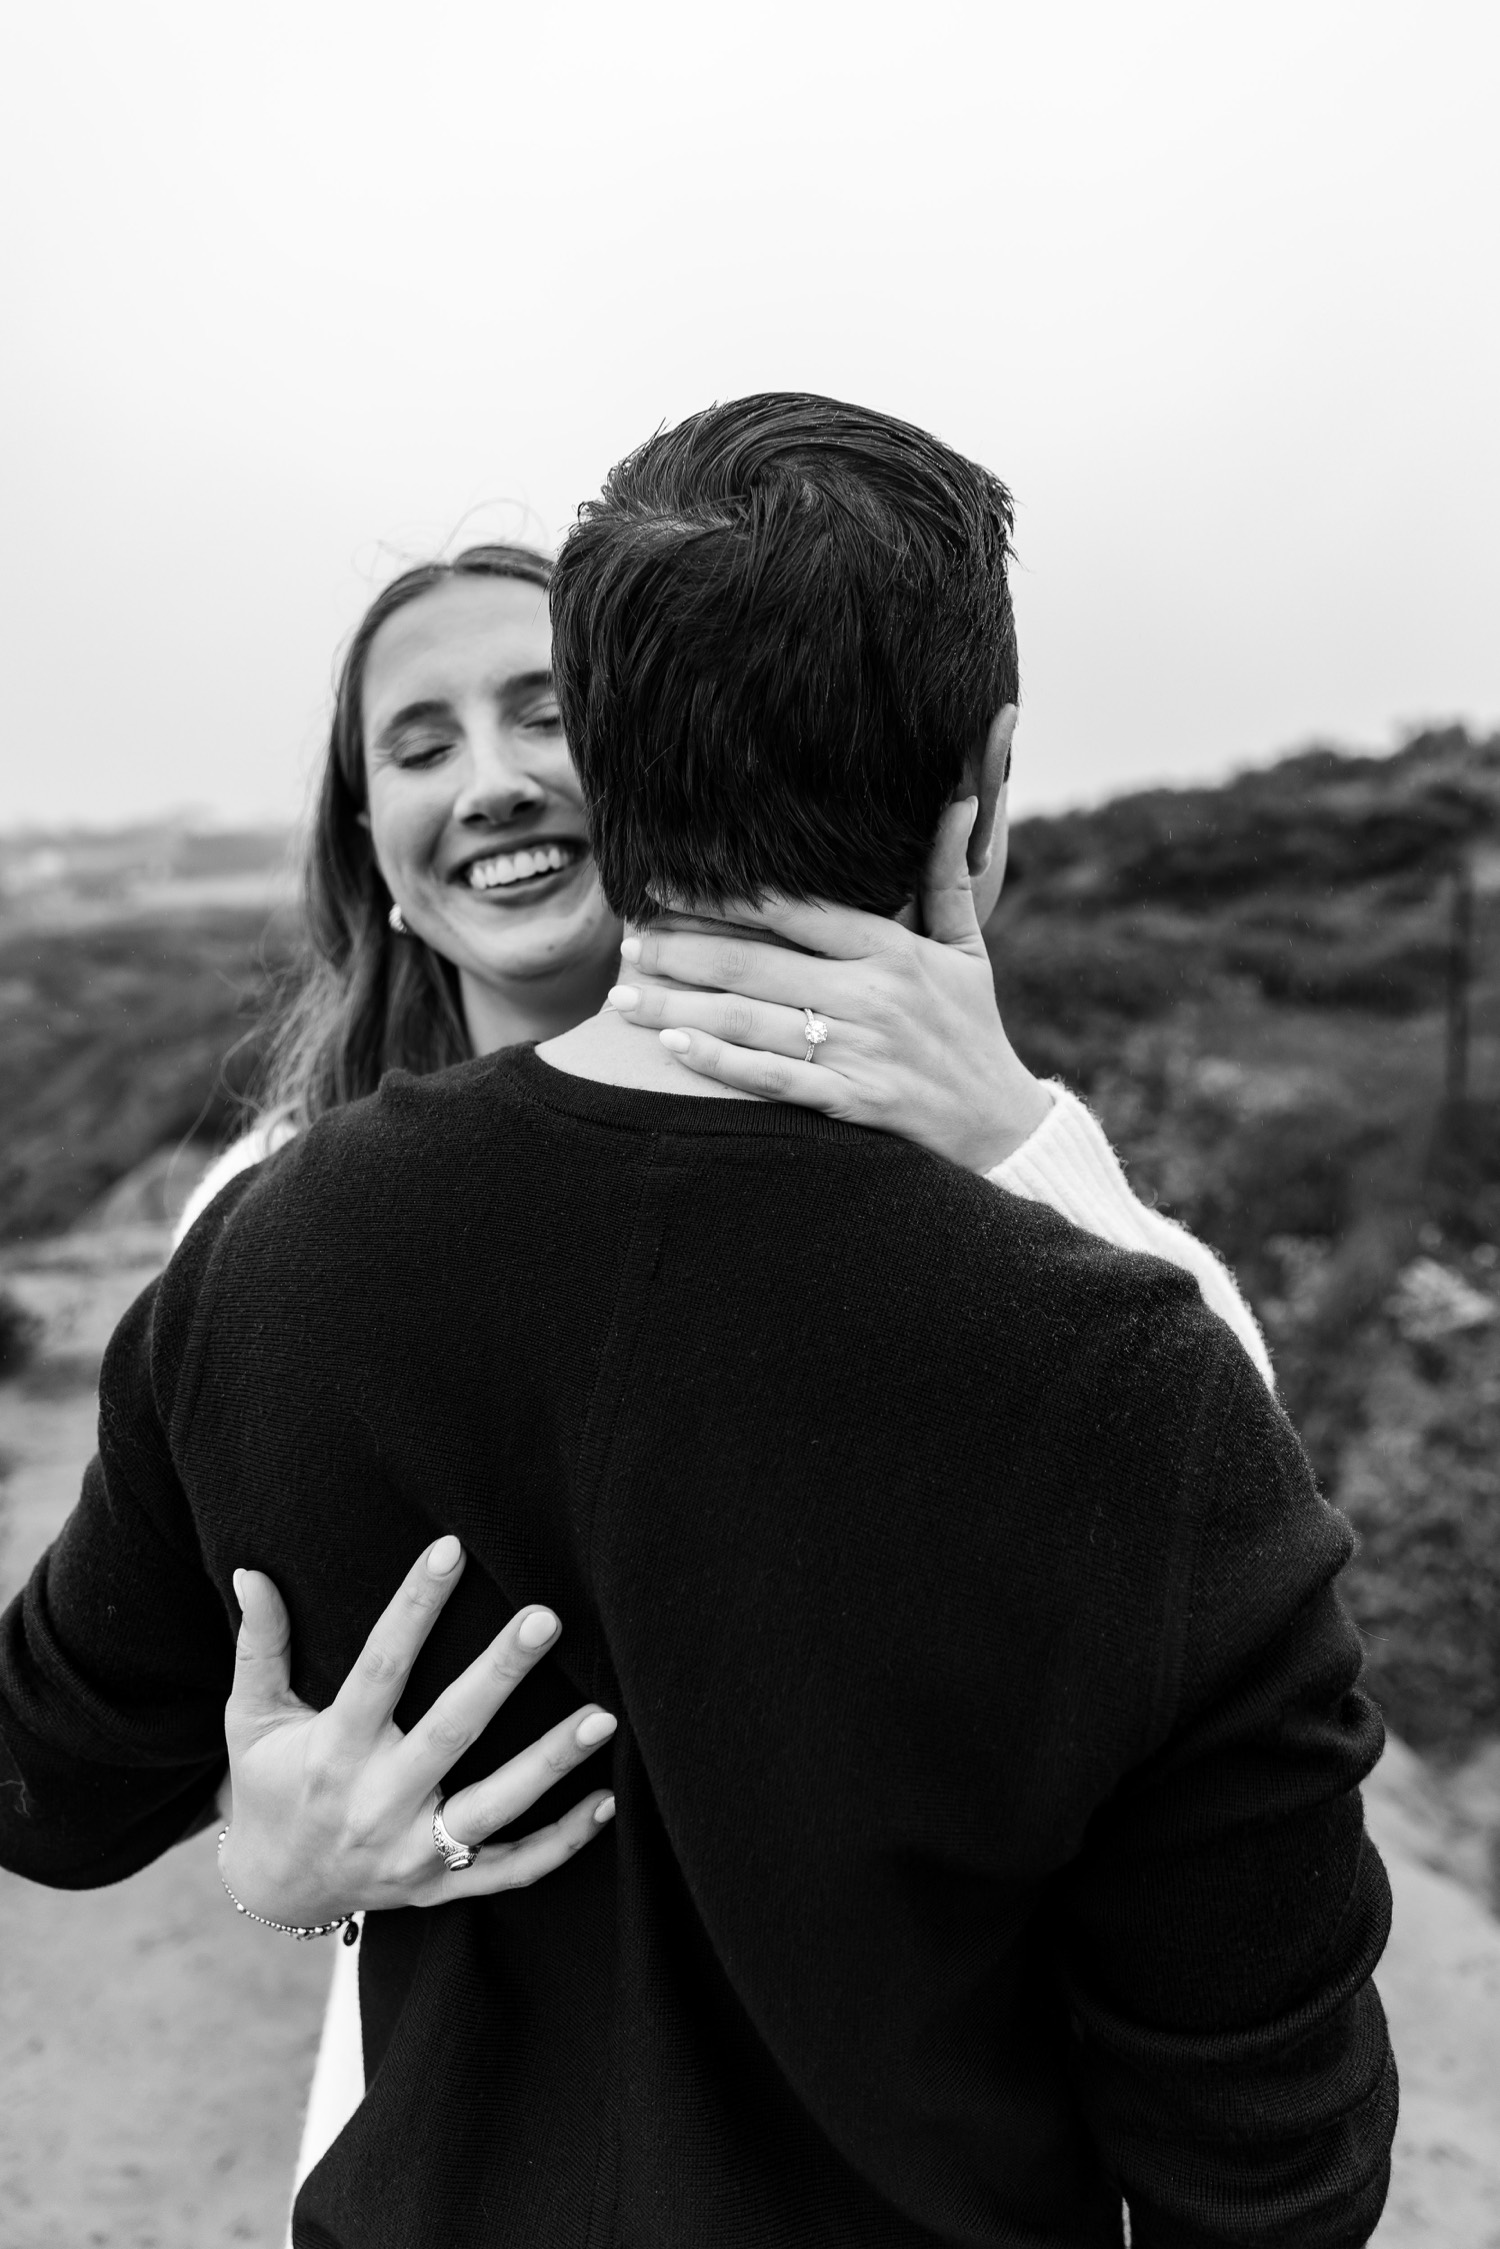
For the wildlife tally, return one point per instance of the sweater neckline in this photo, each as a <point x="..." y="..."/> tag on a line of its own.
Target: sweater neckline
<point x="632" y="1109"/>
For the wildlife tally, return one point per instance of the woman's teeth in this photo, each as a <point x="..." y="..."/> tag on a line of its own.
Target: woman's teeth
<point x="519" y="866"/>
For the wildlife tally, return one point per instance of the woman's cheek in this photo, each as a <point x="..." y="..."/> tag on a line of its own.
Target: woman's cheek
<point x="406" y="832"/>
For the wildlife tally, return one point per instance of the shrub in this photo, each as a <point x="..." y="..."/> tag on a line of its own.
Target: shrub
<point x="1418" y="1483"/>
<point x="19" y="1333"/>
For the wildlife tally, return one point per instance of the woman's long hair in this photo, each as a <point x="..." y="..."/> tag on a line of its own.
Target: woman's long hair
<point x="368" y="1001"/>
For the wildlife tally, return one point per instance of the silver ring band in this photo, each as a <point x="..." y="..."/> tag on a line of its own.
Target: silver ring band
<point x="454" y="1855"/>
<point x="814" y="1030"/>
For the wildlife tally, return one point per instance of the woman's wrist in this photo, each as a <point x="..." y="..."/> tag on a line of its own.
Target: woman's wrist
<point x="1020" y="1104"/>
<point x="266" y="1888"/>
<point x="303" y="1931"/>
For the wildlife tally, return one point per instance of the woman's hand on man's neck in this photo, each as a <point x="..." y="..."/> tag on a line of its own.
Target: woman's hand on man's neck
<point x="613" y="1052"/>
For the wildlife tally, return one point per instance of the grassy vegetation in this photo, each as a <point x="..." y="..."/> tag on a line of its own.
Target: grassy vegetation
<point x="115" y="1038"/>
<point x="1250" y="982"/>
<point x="1252" y="985"/>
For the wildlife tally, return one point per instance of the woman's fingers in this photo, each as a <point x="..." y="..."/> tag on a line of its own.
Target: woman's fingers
<point x="839" y="933"/>
<point x="476" y="1812"/>
<point x="735" y="964"/>
<point x="512" y="1866"/>
<point x="262" y="1690"/>
<point x="464" y="1709"/>
<point x="772" y="1077"/>
<point x="363" y="1705"/>
<point x="948" y="914"/>
<point x="775" y="1030"/>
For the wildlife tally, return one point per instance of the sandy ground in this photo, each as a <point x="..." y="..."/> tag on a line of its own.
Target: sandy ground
<point x="1440" y="1981"/>
<point x="155" y="2050"/>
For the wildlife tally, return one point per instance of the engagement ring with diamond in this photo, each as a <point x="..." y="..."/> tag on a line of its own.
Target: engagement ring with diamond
<point x="815" y="1032"/>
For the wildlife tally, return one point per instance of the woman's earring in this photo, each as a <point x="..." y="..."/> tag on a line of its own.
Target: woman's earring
<point x="398" y="922"/>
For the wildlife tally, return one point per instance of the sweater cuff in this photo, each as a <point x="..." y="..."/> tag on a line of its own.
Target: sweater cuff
<point x="1069" y="1165"/>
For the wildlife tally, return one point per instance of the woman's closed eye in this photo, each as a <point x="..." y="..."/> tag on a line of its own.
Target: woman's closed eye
<point x="414" y="752"/>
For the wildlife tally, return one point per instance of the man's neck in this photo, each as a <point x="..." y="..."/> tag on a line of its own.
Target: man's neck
<point x="612" y="1052"/>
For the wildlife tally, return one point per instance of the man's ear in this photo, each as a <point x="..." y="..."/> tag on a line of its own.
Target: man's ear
<point x="989" y="784"/>
<point x="989" y="836"/>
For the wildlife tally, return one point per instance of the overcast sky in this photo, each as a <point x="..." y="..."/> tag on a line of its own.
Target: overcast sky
<point x="293" y="293"/>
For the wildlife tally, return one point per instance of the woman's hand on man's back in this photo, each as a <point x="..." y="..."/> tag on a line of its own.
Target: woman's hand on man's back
<point x="332" y="1810"/>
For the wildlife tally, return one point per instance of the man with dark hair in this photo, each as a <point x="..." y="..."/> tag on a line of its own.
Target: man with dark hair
<point x="989" y="1850"/>
<point x="780" y="640"/>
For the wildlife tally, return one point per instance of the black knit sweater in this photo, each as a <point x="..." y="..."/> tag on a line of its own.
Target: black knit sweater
<point x="989" y="1845"/>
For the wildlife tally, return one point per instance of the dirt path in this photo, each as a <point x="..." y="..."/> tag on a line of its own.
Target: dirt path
<point x="1440" y="1981"/>
<point x="155" y="2051"/>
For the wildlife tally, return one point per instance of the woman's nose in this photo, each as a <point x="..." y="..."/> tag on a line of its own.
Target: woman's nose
<point x="497" y="789"/>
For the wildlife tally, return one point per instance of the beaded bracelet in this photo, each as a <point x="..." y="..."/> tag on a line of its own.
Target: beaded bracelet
<point x="345" y="1921"/>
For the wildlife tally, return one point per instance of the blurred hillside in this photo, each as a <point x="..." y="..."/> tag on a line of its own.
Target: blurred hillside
<point x="134" y="967"/>
<point x="1283" y="996"/>
<point x="61" y="878"/>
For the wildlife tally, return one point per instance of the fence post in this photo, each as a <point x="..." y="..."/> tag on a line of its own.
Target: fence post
<point x="1460" y="979"/>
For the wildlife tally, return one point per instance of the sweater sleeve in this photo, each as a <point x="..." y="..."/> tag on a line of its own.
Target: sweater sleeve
<point x="1224" y="1920"/>
<point x="1069" y="1165"/>
<point x="243" y="1154"/>
<point x="116" y="1658"/>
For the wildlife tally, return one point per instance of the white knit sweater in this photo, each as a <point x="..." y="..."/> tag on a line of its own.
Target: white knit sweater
<point x="1069" y="1165"/>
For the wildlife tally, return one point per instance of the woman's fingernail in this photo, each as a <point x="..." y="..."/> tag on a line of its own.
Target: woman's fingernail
<point x="238" y="1582"/>
<point x="624" y="995"/>
<point x="677" y="1041"/>
<point x="630" y="950"/>
<point x="595" y="1729"/>
<point x="538" y="1629"/>
<point x="444" y="1556"/>
<point x="604" y="1810"/>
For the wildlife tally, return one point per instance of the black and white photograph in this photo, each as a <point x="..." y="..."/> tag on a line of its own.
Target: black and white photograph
<point x="750" y="1126"/>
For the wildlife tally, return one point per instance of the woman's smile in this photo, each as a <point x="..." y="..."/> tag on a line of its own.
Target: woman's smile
<point x="524" y="872"/>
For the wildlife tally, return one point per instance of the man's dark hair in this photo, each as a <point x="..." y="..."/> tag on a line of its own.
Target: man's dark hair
<point x="779" y="637"/>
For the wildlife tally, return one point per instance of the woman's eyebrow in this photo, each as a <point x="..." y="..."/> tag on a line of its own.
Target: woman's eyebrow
<point x="523" y="687"/>
<point x="413" y="714"/>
